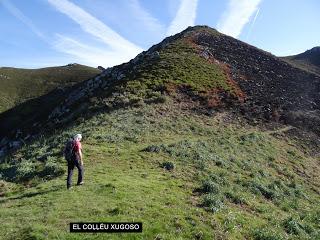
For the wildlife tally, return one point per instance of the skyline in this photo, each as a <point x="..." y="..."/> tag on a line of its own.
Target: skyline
<point x="107" y="33"/>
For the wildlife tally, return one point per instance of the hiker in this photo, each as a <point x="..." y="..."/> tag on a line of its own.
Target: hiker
<point x="73" y="155"/>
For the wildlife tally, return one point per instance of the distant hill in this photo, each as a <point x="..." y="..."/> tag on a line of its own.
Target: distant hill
<point x="200" y="137"/>
<point x="18" y="85"/>
<point x="308" y="60"/>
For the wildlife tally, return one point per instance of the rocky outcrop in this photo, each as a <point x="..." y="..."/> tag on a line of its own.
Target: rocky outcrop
<point x="101" y="68"/>
<point x="273" y="89"/>
<point x="80" y="95"/>
<point x="272" y="86"/>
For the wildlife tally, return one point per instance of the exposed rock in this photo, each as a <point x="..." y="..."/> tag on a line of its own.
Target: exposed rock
<point x="4" y="141"/>
<point x="120" y="76"/>
<point x="15" y="144"/>
<point x="273" y="88"/>
<point x="4" y="76"/>
<point x="2" y="153"/>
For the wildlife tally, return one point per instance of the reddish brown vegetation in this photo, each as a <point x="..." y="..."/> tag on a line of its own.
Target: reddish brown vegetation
<point x="216" y="97"/>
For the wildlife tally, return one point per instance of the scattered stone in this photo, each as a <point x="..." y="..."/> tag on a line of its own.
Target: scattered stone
<point x="101" y="68"/>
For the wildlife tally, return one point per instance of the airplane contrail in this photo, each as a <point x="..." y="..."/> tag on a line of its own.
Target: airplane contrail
<point x="253" y="22"/>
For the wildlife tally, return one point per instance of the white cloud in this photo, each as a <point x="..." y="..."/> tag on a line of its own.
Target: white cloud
<point x="146" y="19"/>
<point x="96" y="28"/>
<point x="236" y="16"/>
<point x="19" y="15"/>
<point x="89" y="55"/>
<point x="173" y="7"/>
<point x="186" y="16"/>
<point x="117" y="49"/>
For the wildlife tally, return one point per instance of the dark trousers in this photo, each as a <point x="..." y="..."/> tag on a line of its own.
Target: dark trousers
<point x="71" y="165"/>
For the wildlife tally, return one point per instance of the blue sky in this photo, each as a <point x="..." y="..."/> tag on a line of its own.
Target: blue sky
<point x="39" y="33"/>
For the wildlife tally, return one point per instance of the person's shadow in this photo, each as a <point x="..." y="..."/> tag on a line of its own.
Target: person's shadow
<point x="32" y="194"/>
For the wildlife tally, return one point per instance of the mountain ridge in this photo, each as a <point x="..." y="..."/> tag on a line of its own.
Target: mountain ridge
<point x="21" y="84"/>
<point x="212" y="70"/>
<point x="308" y="60"/>
<point x="192" y="137"/>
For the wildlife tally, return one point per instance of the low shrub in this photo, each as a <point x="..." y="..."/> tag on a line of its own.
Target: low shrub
<point x="292" y="226"/>
<point x="156" y="97"/>
<point x="3" y="188"/>
<point x="161" y="99"/>
<point x="212" y="202"/>
<point x="235" y="198"/>
<point x="251" y="137"/>
<point x="219" y="179"/>
<point x="168" y="165"/>
<point x="267" y="233"/>
<point x="208" y="186"/>
<point x="273" y="191"/>
<point x="152" y="148"/>
<point x="52" y="169"/>
<point x="25" y="170"/>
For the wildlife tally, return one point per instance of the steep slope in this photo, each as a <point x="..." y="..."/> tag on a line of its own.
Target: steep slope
<point x="308" y="60"/>
<point x="229" y="180"/>
<point x="18" y="85"/>
<point x="200" y="67"/>
<point x="177" y="138"/>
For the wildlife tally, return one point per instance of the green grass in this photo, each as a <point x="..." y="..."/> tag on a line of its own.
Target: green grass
<point x="303" y="64"/>
<point x="184" y="175"/>
<point x="229" y="181"/>
<point x="180" y="64"/>
<point x="18" y="85"/>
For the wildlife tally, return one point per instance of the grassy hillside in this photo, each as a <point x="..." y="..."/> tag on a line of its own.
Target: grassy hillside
<point x="308" y="60"/>
<point x="191" y="137"/>
<point x="18" y="85"/>
<point x="302" y="64"/>
<point x="180" y="64"/>
<point x="229" y="181"/>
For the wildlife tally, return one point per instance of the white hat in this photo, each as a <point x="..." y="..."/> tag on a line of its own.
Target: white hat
<point x="78" y="137"/>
